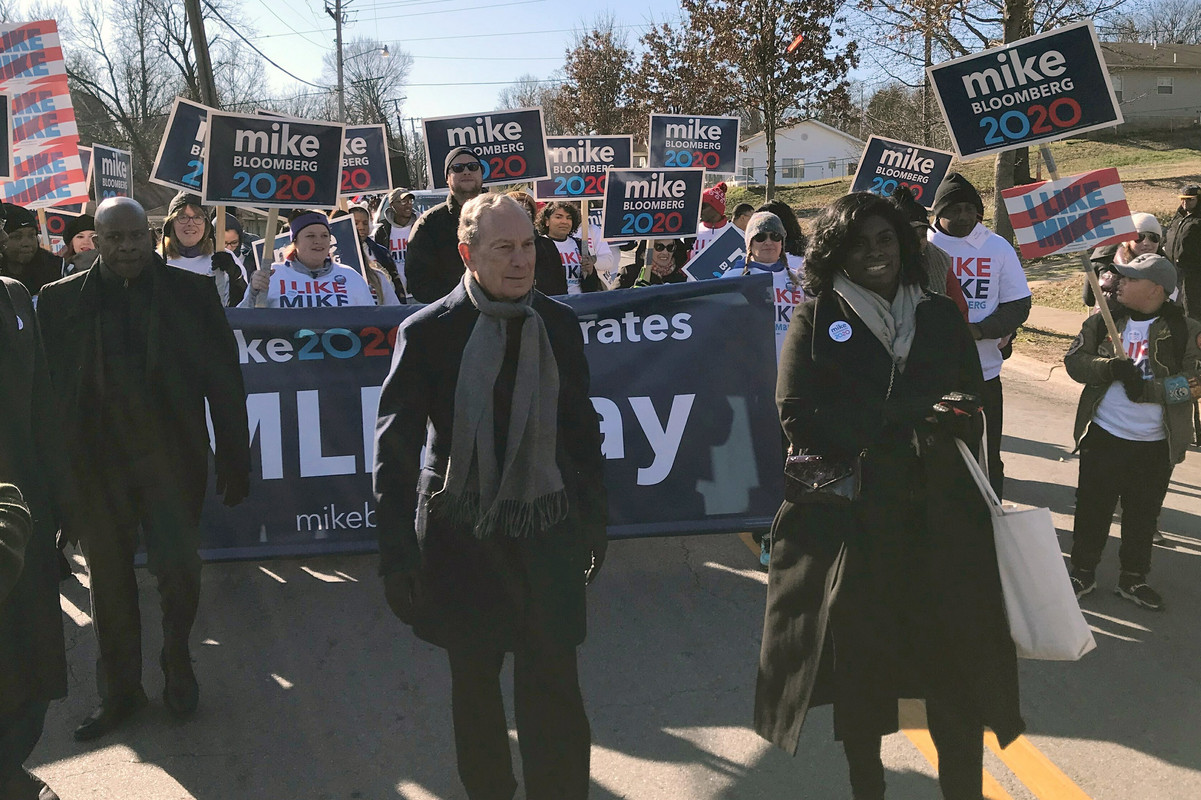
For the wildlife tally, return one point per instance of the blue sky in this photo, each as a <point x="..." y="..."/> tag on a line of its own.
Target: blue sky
<point x="451" y="41"/>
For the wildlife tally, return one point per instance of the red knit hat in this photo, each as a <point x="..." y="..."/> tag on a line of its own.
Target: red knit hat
<point x="716" y="197"/>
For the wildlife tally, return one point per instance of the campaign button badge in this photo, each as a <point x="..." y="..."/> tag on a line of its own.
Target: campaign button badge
<point x="339" y="279"/>
<point x="840" y="331"/>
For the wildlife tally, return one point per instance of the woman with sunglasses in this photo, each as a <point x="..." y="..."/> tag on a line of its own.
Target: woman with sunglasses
<point x="894" y="592"/>
<point x="188" y="244"/>
<point x="1148" y="239"/>
<point x="765" y="236"/>
<point x="662" y="265"/>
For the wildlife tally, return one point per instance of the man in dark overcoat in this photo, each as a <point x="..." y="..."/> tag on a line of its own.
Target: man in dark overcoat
<point x="33" y="664"/>
<point x="486" y="547"/>
<point x="135" y="348"/>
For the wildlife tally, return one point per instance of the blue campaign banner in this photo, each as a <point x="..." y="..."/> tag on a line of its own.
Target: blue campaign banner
<point x="687" y="450"/>
<point x="113" y="172"/>
<point x="180" y="159"/>
<point x="652" y="203"/>
<point x="1038" y="89"/>
<point x="511" y="144"/>
<point x="728" y="249"/>
<point x="366" y="168"/>
<point x="689" y="140"/>
<point x="578" y="164"/>
<point x="887" y="164"/>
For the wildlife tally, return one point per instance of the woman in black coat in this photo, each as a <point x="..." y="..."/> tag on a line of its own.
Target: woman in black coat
<point x="897" y="594"/>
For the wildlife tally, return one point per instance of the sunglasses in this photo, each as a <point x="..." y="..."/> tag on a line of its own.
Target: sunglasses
<point x="670" y="246"/>
<point x="471" y="166"/>
<point x="1154" y="237"/>
<point x="763" y="237"/>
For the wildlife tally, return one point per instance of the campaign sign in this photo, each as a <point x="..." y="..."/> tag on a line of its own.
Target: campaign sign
<point x="343" y="246"/>
<point x="686" y="450"/>
<point x="365" y="165"/>
<point x="1071" y="214"/>
<point x="887" y="164"/>
<point x="180" y="159"/>
<point x="728" y="249"/>
<point x="57" y="221"/>
<point x="6" y="130"/>
<point x="85" y="159"/>
<point x="652" y="203"/>
<point x="1038" y="89"/>
<point x="684" y="140"/>
<point x="271" y="162"/>
<point x="113" y="172"/>
<point x="511" y="144"/>
<point x="578" y="163"/>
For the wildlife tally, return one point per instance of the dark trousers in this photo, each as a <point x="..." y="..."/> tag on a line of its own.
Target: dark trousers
<point x="993" y="401"/>
<point x="552" y="727"/>
<point x="1112" y="468"/>
<point x="171" y="535"/>
<point x="959" y="739"/>
<point x="20" y="730"/>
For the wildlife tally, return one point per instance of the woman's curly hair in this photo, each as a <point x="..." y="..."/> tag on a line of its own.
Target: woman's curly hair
<point x="544" y="215"/>
<point x="839" y="222"/>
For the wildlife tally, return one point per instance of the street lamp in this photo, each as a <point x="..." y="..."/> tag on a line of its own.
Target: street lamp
<point x="382" y="53"/>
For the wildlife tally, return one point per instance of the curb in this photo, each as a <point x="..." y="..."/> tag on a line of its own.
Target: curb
<point x="1053" y="377"/>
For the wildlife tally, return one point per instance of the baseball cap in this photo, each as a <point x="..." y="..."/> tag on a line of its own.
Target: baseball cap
<point x="1151" y="267"/>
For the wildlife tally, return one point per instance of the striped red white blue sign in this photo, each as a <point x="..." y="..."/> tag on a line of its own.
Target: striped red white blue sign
<point x="1076" y="213"/>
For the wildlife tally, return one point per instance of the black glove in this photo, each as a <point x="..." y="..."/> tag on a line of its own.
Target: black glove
<point x="1130" y="376"/>
<point x="234" y="487"/>
<point x="224" y="261"/>
<point x="956" y="414"/>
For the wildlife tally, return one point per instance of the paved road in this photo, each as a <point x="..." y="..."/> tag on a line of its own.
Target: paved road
<point x="311" y="690"/>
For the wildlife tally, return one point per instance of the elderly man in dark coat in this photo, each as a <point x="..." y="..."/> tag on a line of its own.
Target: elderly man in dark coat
<point x="33" y="665"/>
<point x="487" y="547"/>
<point x="135" y="349"/>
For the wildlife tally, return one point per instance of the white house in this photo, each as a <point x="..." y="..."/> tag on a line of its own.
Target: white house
<point x="806" y="151"/>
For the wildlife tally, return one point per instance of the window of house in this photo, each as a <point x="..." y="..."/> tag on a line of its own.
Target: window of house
<point x="748" y="169"/>
<point x="1164" y="85"/>
<point x="1116" y="82"/>
<point x="793" y="168"/>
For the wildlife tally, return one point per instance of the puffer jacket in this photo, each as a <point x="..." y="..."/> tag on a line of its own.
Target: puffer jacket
<point x="1087" y="361"/>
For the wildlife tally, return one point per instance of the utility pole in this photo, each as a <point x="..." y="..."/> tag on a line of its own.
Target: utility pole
<point x="204" y="66"/>
<point x="335" y="10"/>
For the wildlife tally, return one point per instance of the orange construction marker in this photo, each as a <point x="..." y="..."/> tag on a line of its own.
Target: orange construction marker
<point x="796" y="43"/>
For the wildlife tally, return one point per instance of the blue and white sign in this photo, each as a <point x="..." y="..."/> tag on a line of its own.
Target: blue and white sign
<point x="578" y="164"/>
<point x="652" y="203"/>
<point x="728" y="249"/>
<point x="688" y="140"/>
<point x="180" y="159"/>
<point x="887" y="164"/>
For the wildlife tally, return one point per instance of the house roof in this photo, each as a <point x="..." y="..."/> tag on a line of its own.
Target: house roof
<point x="822" y="125"/>
<point x="1139" y="55"/>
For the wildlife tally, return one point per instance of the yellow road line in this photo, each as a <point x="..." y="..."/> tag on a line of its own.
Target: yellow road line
<point x="1037" y="772"/>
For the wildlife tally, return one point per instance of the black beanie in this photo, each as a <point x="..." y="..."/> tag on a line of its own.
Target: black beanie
<point x="453" y="154"/>
<point x="905" y="202"/>
<point x="78" y="225"/>
<point x="956" y="189"/>
<point x="183" y="199"/>
<point x="17" y="217"/>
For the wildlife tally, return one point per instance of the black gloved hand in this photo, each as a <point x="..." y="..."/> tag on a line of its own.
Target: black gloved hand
<point x="224" y="261"/>
<point x="1130" y="376"/>
<point x="956" y="414"/>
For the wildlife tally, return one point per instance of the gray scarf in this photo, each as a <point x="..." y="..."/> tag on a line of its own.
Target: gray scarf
<point x="525" y="494"/>
<point x="894" y="324"/>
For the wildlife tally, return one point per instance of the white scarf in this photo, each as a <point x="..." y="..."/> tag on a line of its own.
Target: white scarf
<point x="894" y="324"/>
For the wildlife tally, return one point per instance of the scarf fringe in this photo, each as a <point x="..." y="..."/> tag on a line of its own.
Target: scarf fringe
<point x="516" y="518"/>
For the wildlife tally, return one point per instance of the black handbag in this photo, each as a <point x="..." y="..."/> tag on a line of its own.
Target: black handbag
<point x="812" y="478"/>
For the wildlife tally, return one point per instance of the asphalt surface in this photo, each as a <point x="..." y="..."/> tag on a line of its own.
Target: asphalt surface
<point x="310" y="689"/>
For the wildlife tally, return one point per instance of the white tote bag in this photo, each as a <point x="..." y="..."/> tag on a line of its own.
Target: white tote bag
<point x="1044" y="616"/>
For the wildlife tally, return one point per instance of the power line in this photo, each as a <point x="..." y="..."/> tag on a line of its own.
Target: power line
<point x="260" y="52"/>
<point x="271" y="11"/>
<point x="469" y="35"/>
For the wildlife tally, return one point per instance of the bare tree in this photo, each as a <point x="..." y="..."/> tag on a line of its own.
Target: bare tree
<point x="528" y="91"/>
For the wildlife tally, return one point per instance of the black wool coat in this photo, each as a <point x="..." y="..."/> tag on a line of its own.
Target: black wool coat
<point x="192" y="356"/>
<point x="483" y="593"/>
<point x="433" y="266"/>
<point x="897" y="595"/>
<point x="33" y="663"/>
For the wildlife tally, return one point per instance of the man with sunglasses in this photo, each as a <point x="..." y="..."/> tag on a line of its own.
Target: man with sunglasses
<point x="1148" y="239"/>
<point x="433" y="267"/>
<point x="1182" y="246"/>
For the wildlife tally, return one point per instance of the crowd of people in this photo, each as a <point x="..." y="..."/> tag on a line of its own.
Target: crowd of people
<point x="891" y="331"/>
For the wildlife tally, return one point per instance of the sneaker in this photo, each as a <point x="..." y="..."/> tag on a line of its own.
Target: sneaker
<point x="1136" y="591"/>
<point x="1083" y="581"/>
<point x="764" y="551"/>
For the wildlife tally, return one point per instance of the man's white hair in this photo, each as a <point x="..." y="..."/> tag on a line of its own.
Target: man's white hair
<point x="474" y="210"/>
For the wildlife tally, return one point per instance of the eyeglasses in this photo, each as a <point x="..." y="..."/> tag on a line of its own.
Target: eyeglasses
<point x="763" y="237"/>
<point x="1154" y="237"/>
<point x="188" y="219"/>
<point x="470" y="166"/>
<point x="670" y="246"/>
